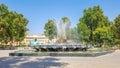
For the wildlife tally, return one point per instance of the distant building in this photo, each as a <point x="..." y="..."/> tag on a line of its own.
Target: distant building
<point x="41" y="39"/>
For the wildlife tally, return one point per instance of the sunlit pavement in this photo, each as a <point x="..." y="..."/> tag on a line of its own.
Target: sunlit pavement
<point x="106" y="61"/>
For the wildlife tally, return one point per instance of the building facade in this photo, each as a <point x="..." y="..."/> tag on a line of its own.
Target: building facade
<point x="41" y="39"/>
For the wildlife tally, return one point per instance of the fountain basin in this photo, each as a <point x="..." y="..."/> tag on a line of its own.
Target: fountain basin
<point x="61" y="54"/>
<point x="61" y="47"/>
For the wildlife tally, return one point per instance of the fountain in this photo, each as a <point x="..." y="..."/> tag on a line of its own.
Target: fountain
<point x="61" y="44"/>
<point x="62" y="28"/>
<point x="62" y="47"/>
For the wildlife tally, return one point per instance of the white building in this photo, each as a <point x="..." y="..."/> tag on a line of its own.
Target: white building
<point x="41" y="39"/>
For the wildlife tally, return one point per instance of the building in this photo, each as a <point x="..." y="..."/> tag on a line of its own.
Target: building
<point x="41" y="39"/>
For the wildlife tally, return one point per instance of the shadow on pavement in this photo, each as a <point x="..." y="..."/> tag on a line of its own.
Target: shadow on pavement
<point x="30" y="62"/>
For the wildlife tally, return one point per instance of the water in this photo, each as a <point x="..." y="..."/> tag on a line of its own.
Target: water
<point x="62" y="28"/>
<point x="65" y="34"/>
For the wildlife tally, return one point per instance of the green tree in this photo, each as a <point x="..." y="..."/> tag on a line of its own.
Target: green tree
<point x="83" y="32"/>
<point x="3" y="23"/>
<point x="12" y="25"/>
<point x="103" y="35"/>
<point x="66" y="20"/>
<point x="19" y="27"/>
<point x="50" y="29"/>
<point x="93" y="18"/>
<point x="73" y="35"/>
<point x="117" y="29"/>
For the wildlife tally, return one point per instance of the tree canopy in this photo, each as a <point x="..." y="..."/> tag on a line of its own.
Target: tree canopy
<point x="93" y="18"/>
<point x="12" y="25"/>
<point x="116" y="29"/>
<point x="50" y="29"/>
<point x="83" y="32"/>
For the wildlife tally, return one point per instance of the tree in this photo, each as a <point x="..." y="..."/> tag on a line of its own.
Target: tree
<point x="64" y="27"/>
<point x="3" y="23"/>
<point x="103" y="35"/>
<point x="73" y="35"/>
<point x="50" y="29"/>
<point x="12" y="25"/>
<point x="83" y="32"/>
<point x="117" y="28"/>
<point x="66" y="20"/>
<point x="93" y="18"/>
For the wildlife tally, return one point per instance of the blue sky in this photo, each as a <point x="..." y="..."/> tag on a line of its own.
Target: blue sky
<point x="38" y="12"/>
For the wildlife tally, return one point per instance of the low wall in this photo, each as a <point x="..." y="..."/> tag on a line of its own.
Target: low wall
<point x="71" y="54"/>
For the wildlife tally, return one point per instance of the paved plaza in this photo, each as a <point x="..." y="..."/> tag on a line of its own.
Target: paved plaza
<point x="106" y="61"/>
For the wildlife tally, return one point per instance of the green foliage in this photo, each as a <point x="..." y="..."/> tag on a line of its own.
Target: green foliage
<point x="118" y="46"/>
<point x="117" y="27"/>
<point x="95" y="27"/>
<point x="12" y="25"/>
<point x="50" y="29"/>
<point x="73" y="35"/>
<point x="117" y="41"/>
<point x="66" y="20"/>
<point x="102" y="35"/>
<point x="93" y="18"/>
<point x="83" y="32"/>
